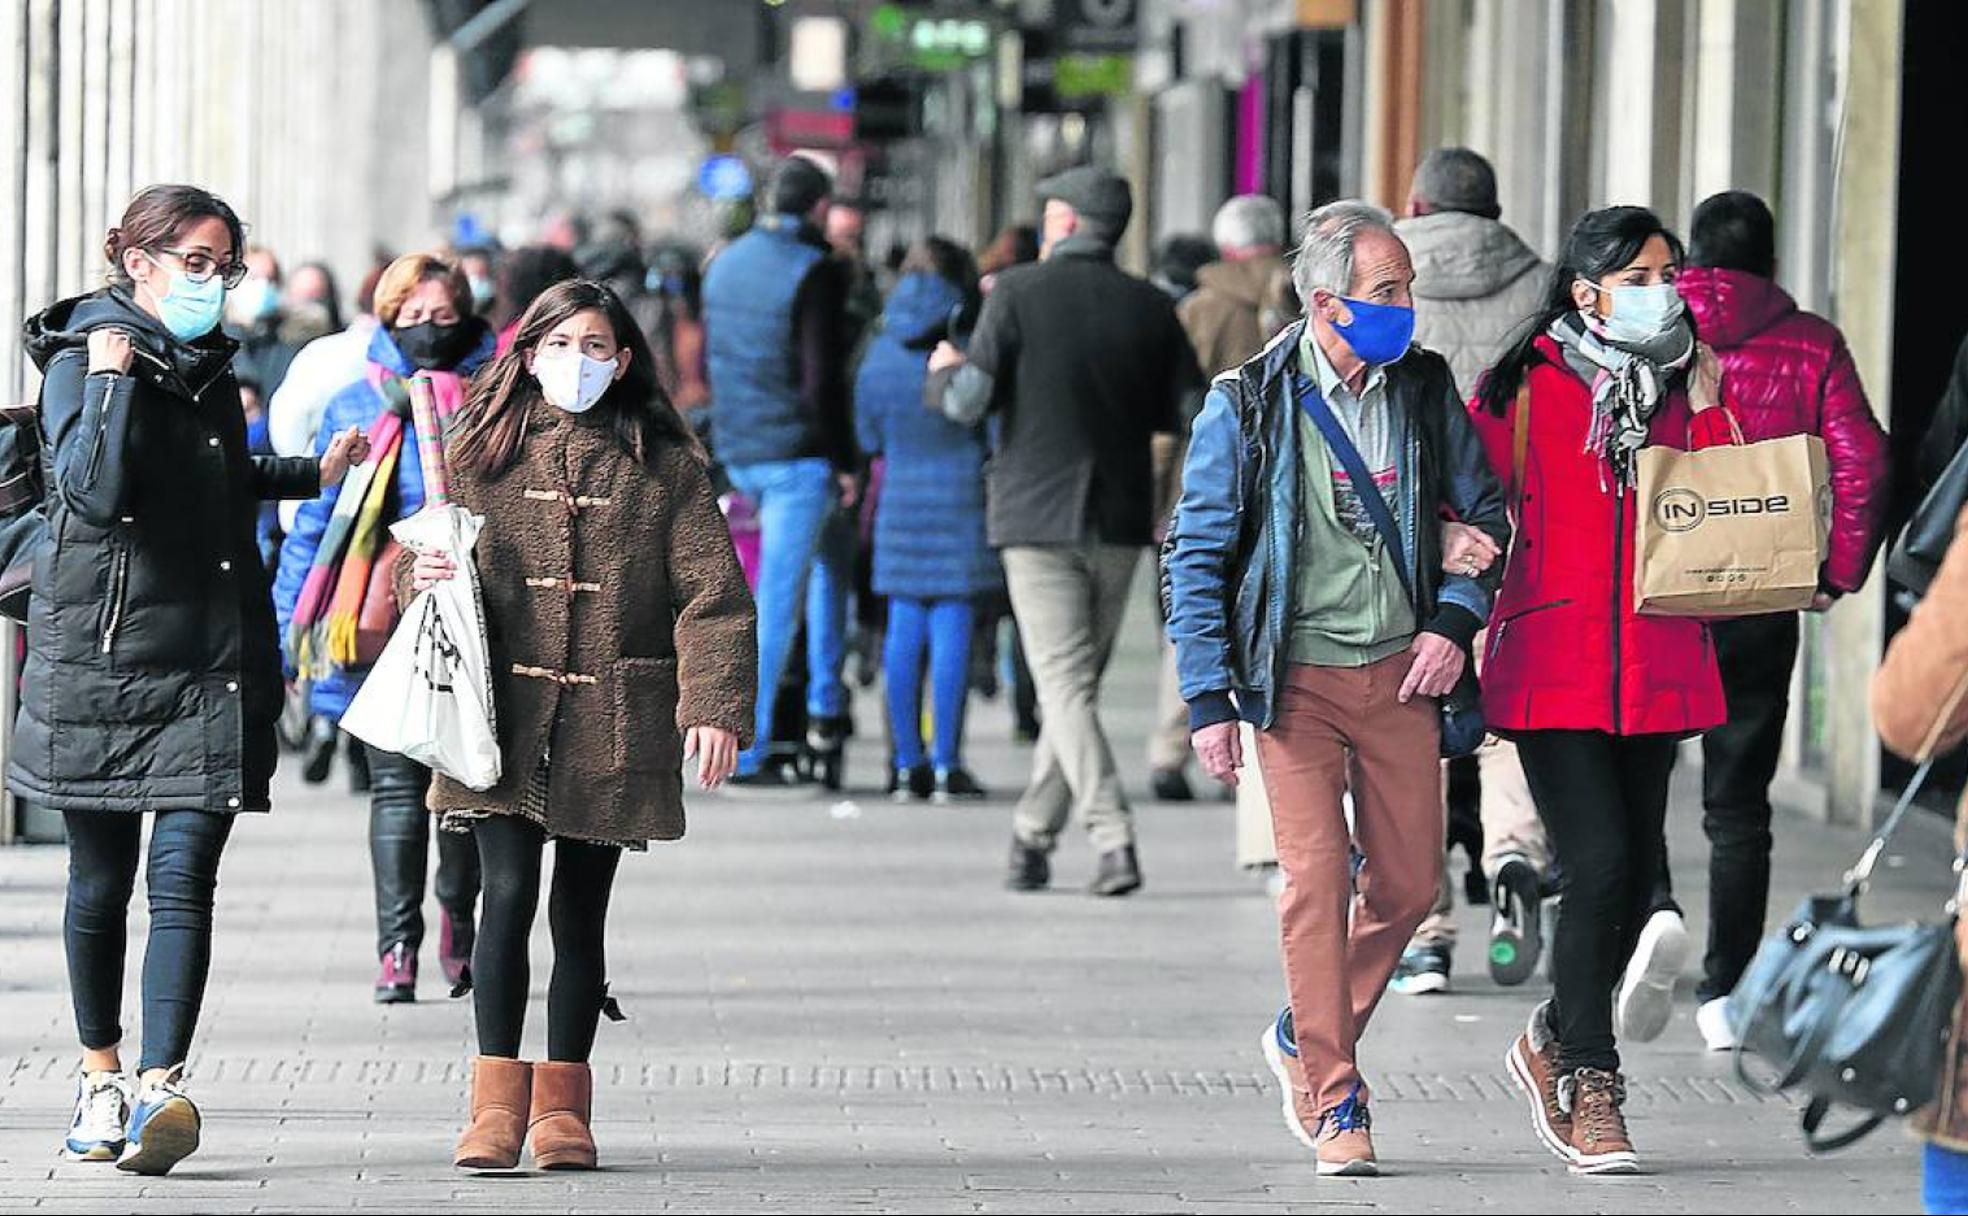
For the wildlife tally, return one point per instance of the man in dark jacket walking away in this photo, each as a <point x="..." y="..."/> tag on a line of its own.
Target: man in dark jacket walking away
<point x="1476" y="285"/>
<point x="1084" y="364"/>
<point x="1788" y="372"/>
<point x="774" y="314"/>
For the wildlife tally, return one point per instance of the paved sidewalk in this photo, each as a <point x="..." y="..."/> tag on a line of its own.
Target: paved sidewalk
<point x="837" y="1009"/>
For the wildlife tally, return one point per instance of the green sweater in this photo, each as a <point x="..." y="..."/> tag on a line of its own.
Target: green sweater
<point x="1349" y="608"/>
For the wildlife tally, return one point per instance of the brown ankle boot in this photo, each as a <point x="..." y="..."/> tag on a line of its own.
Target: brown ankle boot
<point x="557" y="1131"/>
<point x="501" y="1094"/>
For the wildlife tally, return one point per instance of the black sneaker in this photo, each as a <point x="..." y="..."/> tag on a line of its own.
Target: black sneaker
<point x="1119" y="874"/>
<point x="1171" y="785"/>
<point x="955" y="785"/>
<point x="318" y="750"/>
<point x="911" y="784"/>
<point x="1031" y="869"/>
<point x="1422" y="970"/>
<point x="1516" y="936"/>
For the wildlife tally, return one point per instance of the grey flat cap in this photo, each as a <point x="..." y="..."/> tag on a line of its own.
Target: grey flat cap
<point x="1096" y="193"/>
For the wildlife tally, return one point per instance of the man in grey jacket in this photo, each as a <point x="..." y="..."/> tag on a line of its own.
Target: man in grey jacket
<point x="1476" y="283"/>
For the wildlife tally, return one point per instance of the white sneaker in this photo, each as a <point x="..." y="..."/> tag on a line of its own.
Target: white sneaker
<point x="102" y="1108"/>
<point x="1646" y="992"/>
<point x="1712" y="1019"/>
<point x="164" y="1127"/>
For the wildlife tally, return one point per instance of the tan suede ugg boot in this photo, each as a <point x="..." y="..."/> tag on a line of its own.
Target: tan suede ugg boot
<point x="501" y="1094"/>
<point x="557" y="1131"/>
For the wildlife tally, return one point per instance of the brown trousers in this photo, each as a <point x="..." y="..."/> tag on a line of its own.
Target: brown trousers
<point x="1341" y="730"/>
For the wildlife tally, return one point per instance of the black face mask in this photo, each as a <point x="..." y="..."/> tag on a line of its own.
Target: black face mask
<point x="434" y="347"/>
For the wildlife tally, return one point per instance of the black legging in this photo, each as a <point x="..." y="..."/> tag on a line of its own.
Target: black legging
<point x="103" y="850"/>
<point x="1603" y="799"/>
<point x="509" y="850"/>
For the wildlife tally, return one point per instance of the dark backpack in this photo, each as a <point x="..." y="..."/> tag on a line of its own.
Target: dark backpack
<point x="23" y="522"/>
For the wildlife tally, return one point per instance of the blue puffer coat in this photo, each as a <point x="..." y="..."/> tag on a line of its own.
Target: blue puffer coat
<point x="929" y="523"/>
<point x="359" y="404"/>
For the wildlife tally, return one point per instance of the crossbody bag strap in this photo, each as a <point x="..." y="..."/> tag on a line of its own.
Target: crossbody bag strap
<point x="1314" y="404"/>
<point x="1861" y="871"/>
<point x="1520" y="445"/>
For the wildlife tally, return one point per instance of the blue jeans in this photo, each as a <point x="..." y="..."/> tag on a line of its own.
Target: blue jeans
<point x="104" y="848"/>
<point x="801" y="528"/>
<point x="943" y="628"/>
<point x="1944" y="1182"/>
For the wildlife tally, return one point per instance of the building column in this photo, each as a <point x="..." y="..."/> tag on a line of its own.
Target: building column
<point x="1864" y="237"/>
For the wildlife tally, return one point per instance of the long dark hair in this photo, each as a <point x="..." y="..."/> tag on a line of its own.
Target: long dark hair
<point x="492" y="425"/>
<point x="1600" y="243"/>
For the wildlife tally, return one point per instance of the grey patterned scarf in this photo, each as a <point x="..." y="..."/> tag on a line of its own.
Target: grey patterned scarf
<point x="1629" y="382"/>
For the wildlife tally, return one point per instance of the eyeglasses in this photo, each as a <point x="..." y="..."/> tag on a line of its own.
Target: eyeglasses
<point x="199" y="267"/>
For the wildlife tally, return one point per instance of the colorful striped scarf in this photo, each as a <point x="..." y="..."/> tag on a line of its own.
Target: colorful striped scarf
<point x="321" y="635"/>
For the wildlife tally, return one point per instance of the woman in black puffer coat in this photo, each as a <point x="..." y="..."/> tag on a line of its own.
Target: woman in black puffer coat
<point x="153" y="675"/>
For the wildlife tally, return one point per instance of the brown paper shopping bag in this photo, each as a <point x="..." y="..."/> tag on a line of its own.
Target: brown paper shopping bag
<point x="1734" y="530"/>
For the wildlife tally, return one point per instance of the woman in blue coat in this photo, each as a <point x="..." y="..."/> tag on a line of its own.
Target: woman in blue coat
<point x="424" y="304"/>
<point x="932" y="560"/>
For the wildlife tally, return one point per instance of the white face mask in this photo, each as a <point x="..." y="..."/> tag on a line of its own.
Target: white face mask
<point x="571" y="380"/>
<point x="1641" y="313"/>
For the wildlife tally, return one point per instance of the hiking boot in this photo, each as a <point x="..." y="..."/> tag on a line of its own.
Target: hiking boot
<point x="1533" y="1066"/>
<point x="1423" y="969"/>
<point x="1345" y="1140"/>
<point x="1516" y="935"/>
<point x="1031" y="869"/>
<point x="1600" y="1144"/>
<point x="1119" y="873"/>
<point x="1646" y="992"/>
<point x="396" y="982"/>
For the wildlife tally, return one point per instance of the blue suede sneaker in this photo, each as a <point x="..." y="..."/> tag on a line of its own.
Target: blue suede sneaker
<point x="102" y="1108"/>
<point x="163" y="1127"/>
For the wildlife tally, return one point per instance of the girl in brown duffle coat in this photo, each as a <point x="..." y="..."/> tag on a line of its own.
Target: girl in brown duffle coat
<point x="622" y="643"/>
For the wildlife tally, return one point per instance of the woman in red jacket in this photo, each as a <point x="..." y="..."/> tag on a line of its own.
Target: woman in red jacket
<point x="1595" y="695"/>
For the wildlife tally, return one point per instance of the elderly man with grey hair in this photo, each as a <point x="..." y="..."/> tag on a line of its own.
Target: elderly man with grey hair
<point x="1316" y="593"/>
<point x="1239" y="302"/>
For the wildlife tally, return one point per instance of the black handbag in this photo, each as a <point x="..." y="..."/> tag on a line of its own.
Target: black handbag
<point x="1850" y="1015"/>
<point x="1916" y="558"/>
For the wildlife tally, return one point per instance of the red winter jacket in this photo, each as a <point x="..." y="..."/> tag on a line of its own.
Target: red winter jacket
<point x="1566" y="649"/>
<point x="1788" y="372"/>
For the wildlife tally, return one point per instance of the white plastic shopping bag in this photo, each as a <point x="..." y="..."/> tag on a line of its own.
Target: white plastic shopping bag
<point x="429" y="697"/>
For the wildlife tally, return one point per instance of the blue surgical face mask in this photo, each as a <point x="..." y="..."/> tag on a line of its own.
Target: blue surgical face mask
<point x="1378" y="333"/>
<point x="256" y="298"/>
<point x="1640" y="313"/>
<point x="189" y="310"/>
